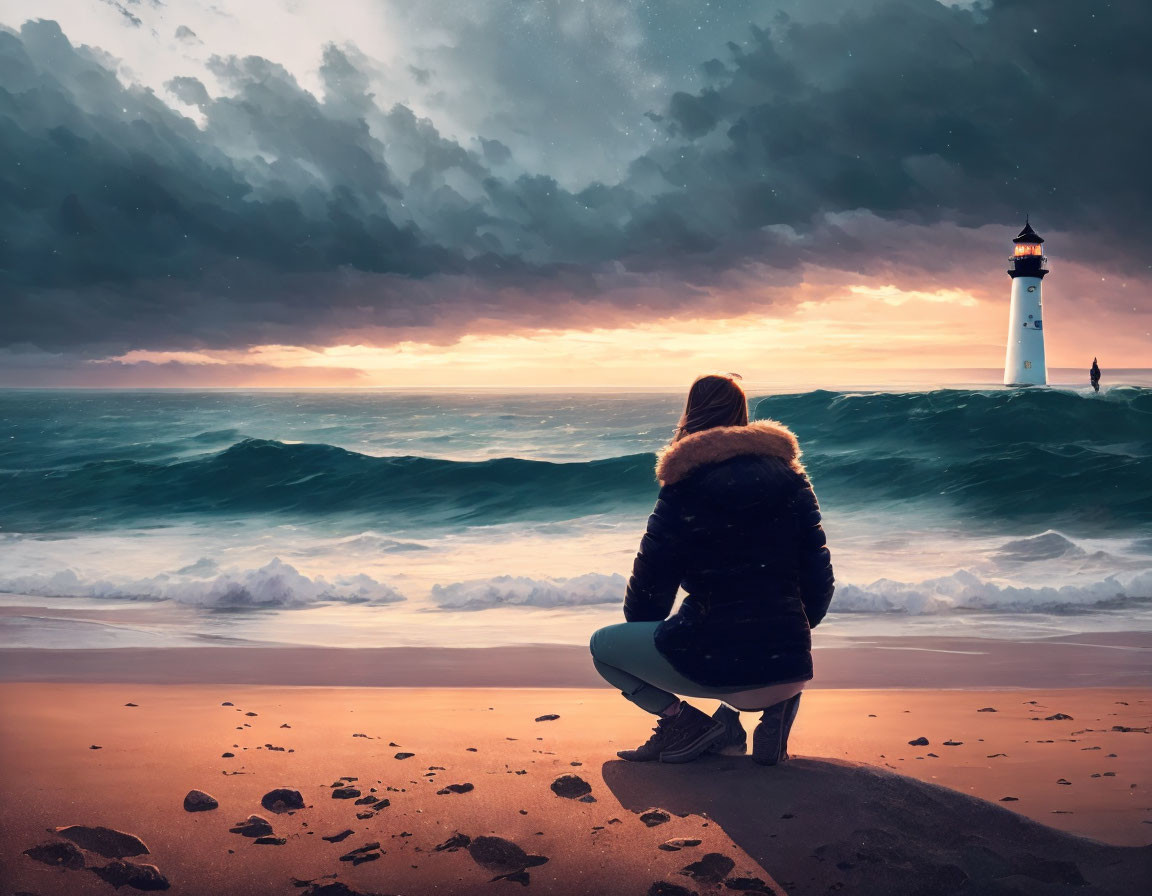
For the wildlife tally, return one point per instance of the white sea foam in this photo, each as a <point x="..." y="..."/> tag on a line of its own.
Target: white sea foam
<point x="963" y="590"/>
<point x="522" y="591"/>
<point x="276" y="584"/>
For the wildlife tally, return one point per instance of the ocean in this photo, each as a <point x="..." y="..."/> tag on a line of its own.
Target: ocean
<point x="478" y="518"/>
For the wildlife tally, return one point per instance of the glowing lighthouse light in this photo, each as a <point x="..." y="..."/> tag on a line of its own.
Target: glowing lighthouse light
<point x="1024" y="361"/>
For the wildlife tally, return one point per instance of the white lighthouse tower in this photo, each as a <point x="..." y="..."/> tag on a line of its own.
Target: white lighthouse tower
<point x="1024" y="362"/>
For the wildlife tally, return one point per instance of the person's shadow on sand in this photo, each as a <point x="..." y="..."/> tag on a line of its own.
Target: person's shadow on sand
<point x="825" y="826"/>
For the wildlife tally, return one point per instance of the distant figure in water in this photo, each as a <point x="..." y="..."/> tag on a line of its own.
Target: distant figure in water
<point x="737" y="524"/>
<point x="1094" y="375"/>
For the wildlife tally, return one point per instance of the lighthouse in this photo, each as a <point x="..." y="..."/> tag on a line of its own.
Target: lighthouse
<point x="1024" y="362"/>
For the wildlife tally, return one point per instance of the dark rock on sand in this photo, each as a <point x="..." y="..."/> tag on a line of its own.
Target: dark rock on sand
<point x="571" y="787"/>
<point x="282" y="799"/>
<point x="367" y="800"/>
<point x="953" y="743"/>
<point x="345" y="793"/>
<point x="453" y="843"/>
<point x="343" y="835"/>
<point x="497" y="854"/>
<point x="252" y="826"/>
<point x="130" y="874"/>
<point x="369" y="852"/>
<point x="653" y="817"/>
<point x="404" y="755"/>
<point x="1059" y="717"/>
<point x="456" y="788"/>
<point x="550" y="717"/>
<point x="227" y="703"/>
<point x="679" y="843"/>
<point x="130" y="704"/>
<point x="335" y="889"/>
<point x="711" y="869"/>
<point x="919" y="742"/>
<point x="227" y="755"/>
<point x="110" y="843"/>
<point x="95" y="747"/>
<point x="61" y="853"/>
<point x="749" y="885"/>
<point x="987" y="709"/>
<point x="663" y="888"/>
<point x="270" y="841"/>
<point x="199" y="801"/>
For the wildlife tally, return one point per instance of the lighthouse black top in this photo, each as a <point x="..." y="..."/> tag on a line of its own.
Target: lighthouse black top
<point x="1028" y="258"/>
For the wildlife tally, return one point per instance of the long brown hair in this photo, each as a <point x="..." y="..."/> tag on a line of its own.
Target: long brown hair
<point x="713" y="400"/>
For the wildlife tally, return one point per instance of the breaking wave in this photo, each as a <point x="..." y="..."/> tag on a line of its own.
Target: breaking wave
<point x="1051" y="457"/>
<point x="276" y="584"/>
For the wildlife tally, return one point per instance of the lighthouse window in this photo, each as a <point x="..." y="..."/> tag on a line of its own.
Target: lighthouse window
<point x="1027" y="365"/>
<point x="1029" y="317"/>
<point x="1031" y="289"/>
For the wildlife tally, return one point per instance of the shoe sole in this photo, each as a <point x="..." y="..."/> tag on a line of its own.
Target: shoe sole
<point x="697" y="747"/>
<point x="768" y="742"/>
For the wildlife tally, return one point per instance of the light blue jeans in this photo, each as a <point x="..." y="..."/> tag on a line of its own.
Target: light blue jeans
<point x="626" y="656"/>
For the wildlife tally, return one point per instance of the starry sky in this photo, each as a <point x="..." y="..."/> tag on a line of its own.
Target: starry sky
<point x="563" y="192"/>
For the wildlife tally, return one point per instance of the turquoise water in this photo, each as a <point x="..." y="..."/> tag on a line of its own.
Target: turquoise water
<point x="414" y="518"/>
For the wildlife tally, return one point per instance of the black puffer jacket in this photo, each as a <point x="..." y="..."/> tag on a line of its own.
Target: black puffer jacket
<point x="737" y="524"/>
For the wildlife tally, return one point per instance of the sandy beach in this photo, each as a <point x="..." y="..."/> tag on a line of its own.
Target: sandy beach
<point x="1016" y="791"/>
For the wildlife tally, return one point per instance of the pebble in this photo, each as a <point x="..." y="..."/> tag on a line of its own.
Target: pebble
<point x="497" y="854"/>
<point x="550" y="717"/>
<point x="1059" y="717"/>
<point x="60" y="853"/>
<point x="343" y="835"/>
<point x="571" y="787"/>
<point x="456" y="788"/>
<point x="282" y="799"/>
<point x="663" y="888"/>
<point x="404" y="755"/>
<point x="110" y="843"/>
<point x="252" y="826"/>
<point x="678" y="843"/>
<point x="270" y="841"/>
<point x="919" y="742"/>
<point x="199" y="801"/>
<point x="712" y="868"/>
<point x="345" y="793"/>
<point x="653" y="817"/>
<point x="130" y="874"/>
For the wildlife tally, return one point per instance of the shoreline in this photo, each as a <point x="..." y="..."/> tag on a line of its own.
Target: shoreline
<point x="1108" y="659"/>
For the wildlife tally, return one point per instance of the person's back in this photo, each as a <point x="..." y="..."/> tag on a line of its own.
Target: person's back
<point x="740" y="531"/>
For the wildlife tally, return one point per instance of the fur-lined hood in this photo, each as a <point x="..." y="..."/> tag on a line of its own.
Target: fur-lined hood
<point x="711" y="446"/>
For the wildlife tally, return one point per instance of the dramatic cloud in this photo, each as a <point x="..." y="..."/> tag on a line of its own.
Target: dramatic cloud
<point x="239" y="207"/>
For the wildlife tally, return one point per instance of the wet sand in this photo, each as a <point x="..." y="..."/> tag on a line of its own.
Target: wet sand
<point x="1102" y="659"/>
<point x="859" y="811"/>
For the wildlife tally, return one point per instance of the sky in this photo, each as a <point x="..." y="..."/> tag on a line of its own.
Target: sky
<point x="297" y="193"/>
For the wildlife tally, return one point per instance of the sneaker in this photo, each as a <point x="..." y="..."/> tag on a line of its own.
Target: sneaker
<point x="693" y="734"/>
<point x="770" y="739"/>
<point x="735" y="739"/>
<point x="660" y="740"/>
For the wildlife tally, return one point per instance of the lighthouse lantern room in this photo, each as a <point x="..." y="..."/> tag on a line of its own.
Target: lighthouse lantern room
<point x="1024" y="362"/>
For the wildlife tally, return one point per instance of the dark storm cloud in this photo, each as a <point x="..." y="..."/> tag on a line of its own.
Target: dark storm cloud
<point x="291" y="217"/>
